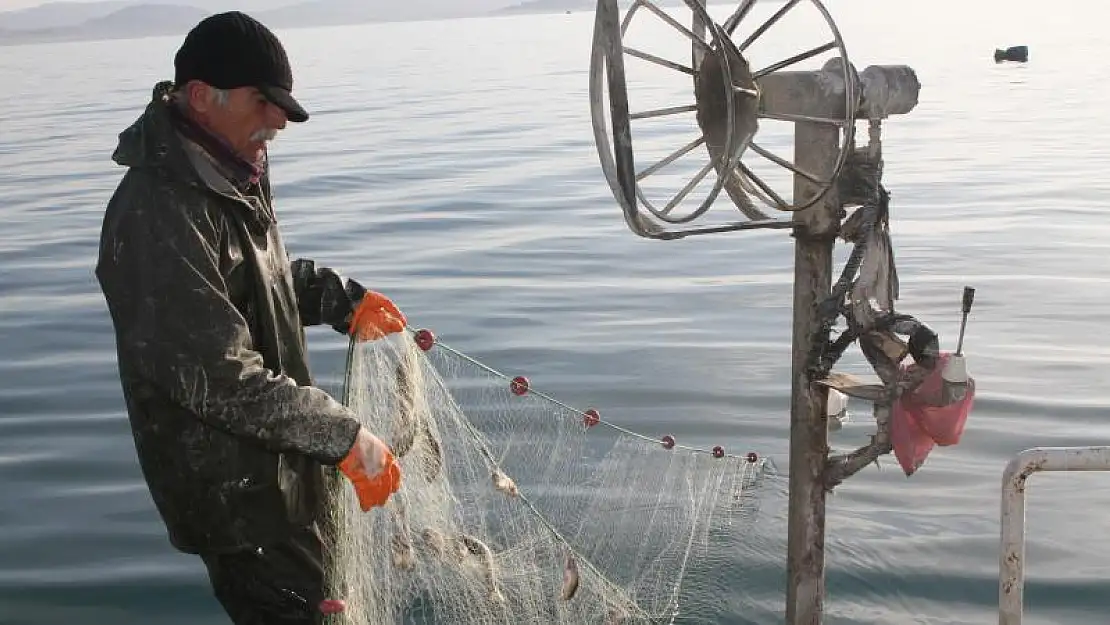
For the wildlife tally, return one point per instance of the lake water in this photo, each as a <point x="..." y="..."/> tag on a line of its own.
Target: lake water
<point x="451" y="165"/>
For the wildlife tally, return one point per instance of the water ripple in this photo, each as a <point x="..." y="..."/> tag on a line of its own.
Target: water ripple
<point x="463" y="181"/>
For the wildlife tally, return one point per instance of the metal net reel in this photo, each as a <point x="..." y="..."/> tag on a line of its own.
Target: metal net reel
<point x="731" y="99"/>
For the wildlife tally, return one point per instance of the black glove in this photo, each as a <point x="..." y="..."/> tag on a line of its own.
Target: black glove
<point x="324" y="296"/>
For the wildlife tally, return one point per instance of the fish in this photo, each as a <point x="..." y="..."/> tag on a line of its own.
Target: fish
<point x="434" y="462"/>
<point x="453" y="550"/>
<point x="570" y="577"/>
<point x="472" y="546"/>
<point x="406" y="424"/>
<point x="504" y="483"/>
<point x="458" y="550"/>
<point x="401" y="543"/>
<point x="402" y="551"/>
<point x="411" y="426"/>
<point x="434" y="541"/>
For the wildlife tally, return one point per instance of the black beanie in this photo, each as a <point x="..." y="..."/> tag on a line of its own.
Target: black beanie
<point x="230" y="50"/>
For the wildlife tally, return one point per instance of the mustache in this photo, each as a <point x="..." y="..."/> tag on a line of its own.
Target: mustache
<point x="266" y="134"/>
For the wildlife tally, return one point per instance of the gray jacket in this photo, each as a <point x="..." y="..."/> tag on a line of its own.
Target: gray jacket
<point x="232" y="437"/>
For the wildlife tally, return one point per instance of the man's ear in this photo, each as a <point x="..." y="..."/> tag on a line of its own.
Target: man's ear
<point x="197" y="96"/>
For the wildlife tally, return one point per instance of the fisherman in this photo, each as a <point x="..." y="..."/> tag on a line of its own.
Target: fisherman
<point x="233" y="439"/>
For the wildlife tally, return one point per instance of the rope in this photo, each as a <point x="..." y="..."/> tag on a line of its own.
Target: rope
<point x="862" y="183"/>
<point x="595" y="418"/>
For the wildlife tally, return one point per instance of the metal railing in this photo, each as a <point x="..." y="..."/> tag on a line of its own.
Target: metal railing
<point x="1011" y="578"/>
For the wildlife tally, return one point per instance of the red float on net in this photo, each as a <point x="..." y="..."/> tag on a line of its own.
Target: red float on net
<point x="668" y="442"/>
<point x="591" y="418"/>
<point x="718" y="452"/>
<point x="519" y="385"/>
<point x="425" y="339"/>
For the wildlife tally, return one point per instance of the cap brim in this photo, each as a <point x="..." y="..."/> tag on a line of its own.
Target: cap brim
<point x="285" y="100"/>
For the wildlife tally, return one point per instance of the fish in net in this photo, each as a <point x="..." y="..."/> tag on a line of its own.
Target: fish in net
<point x="515" y="508"/>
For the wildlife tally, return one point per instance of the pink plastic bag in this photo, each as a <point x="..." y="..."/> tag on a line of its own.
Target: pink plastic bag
<point x="919" y="422"/>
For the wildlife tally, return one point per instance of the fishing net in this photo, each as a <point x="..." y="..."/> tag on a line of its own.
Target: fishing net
<point x="516" y="508"/>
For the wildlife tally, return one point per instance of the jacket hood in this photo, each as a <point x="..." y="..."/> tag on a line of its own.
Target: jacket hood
<point x="151" y="142"/>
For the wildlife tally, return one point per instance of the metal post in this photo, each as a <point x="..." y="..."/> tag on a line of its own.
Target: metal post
<point x="881" y="91"/>
<point x="816" y="147"/>
<point x="815" y="151"/>
<point x="1011" y="578"/>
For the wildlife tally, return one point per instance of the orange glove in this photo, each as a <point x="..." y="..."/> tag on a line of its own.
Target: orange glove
<point x="376" y="316"/>
<point x="372" y="469"/>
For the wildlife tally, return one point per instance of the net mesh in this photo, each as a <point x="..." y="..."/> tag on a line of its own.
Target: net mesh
<point x="515" y="508"/>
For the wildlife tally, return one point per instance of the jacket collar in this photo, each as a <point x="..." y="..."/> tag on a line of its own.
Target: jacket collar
<point x="238" y="170"/>
<point x="155" y="141"/>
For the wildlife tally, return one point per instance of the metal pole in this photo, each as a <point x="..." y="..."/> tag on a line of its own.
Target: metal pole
<point x="816" y="147"/>
<point x="1011" y="578"/>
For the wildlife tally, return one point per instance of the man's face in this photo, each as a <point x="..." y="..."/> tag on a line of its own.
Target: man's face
<point x="245" y="120"/>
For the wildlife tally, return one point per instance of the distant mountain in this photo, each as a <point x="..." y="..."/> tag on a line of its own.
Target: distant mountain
<point x="57" y="15"/>
<point x="331" y="12"/>
<point x="71" y="14"/>
<point x="130" y="21"/>
<point x="113" y="19"/>
<point x="144" y="20"/>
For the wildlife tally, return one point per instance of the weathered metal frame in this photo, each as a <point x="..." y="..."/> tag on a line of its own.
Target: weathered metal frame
<point x="700" y="16"/>
<point x="810" y="100"/>
<point x="616" y="155"/>
<point x="1011" y="561"/>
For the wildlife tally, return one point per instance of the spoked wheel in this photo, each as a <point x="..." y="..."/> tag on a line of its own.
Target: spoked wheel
<point x="732" y="130"/>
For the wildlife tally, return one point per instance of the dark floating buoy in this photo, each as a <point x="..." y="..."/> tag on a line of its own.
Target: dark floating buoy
<point x="1015" y="54"/>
